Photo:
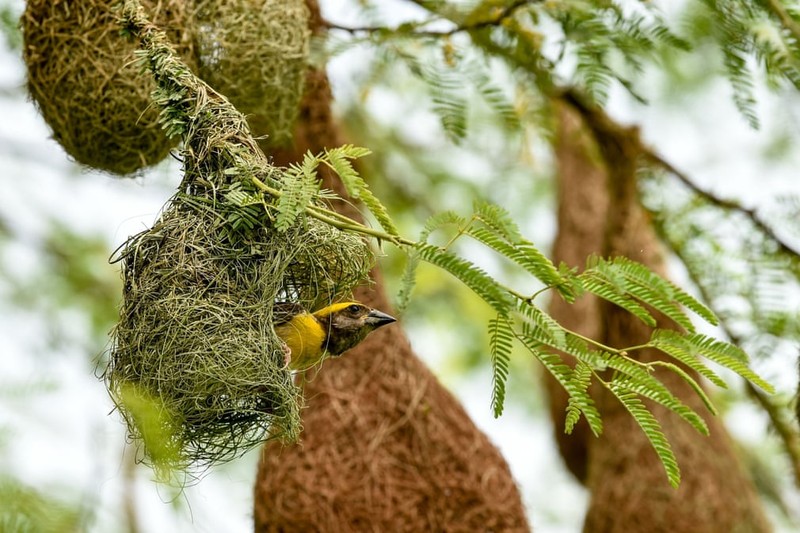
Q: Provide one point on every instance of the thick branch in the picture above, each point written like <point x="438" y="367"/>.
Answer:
<point x="727" y="205"/>
<point x="602" y="124"/>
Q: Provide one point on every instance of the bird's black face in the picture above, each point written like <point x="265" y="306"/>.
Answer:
<point x="351" y="324"/>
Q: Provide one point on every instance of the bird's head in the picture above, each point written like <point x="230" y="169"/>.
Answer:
<point x="348" y="323"/>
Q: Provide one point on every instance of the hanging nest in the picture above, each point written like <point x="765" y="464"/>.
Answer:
<point x="82" y="78"/>
<point x="254" y="52"/>
<point x="195" y="333"/>
<point x="195" y="366"/>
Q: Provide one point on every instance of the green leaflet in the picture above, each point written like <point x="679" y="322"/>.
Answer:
<point x="409" y="279"/>
<point x="440" y="220"/>
<point x="473" y="277"/>
<point x="501" y="337"/>
<point x="299" y="187"/>
<point x="722" y="353"/>
<point x="494" y="97"/>
<point x="651" y="427"/>
<point x="581" y="379"/>
<point x="243" y="211"/>
<point x="522" y="253"/>
<point x="497" y="218"/>
<point x="579" y="396"/>
<point x="407" y="283"/>
<point x="691" y="382"/>
<point x="598" y="285"/>
<point x="638" y="281"/>
<point x="339" y="160"/>
<point x="676" y="346"/>
<point x="549" y="331"/>
<point x="449" y="103"/>
<point x="656" y="391"/>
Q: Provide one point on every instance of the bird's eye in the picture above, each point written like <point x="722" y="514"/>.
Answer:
<point x="355" y="308"/>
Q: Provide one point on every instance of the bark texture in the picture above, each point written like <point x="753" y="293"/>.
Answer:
<point x="385" y="447"/>
<point x="599" y="213"/>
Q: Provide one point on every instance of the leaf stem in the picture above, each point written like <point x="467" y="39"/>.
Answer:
<point x="337" y="220"/>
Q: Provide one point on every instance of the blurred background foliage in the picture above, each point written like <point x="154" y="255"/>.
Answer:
<point x="59" y="224"/>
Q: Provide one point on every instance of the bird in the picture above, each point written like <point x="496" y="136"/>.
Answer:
<point x="332" y="330"/>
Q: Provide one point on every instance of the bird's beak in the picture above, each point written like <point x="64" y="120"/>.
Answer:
<point x="377" y="319"/>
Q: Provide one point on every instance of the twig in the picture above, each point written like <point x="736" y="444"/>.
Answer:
<point x="599" y="121"/>
<point x="729" y="205"/>
<point x="786" y="20"/>
<point x="784" y="428"/>
<point x="496" y="20"/>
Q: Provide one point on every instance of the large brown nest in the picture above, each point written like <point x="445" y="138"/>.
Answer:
<point x="255" y="52"/>
<point x="82" y="78"/>
<point x="195" y="367"/>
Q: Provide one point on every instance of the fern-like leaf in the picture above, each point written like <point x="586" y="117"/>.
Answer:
<point x="494" y="97"/>
<point x="440" y="220"/>
<point x="651" y="427"/>
<point x="727" y="355"/>
<point x="676" y="346"/>
<point x="600" y="286"/>
<point x="552" y="332"/>
<point x="565" y="376"/>
<point x="650" y="288"/>
<point x="243" y="210"/>
<point x="299" y="187"/>
<point x="501" y="337"/>
<point x="339" y="160"/>
<point x="497" y="218"/>
<point x="659" y="393"/>
<point x="449" y="102"/>
<point x="641" y="380"/>
<point x="407" y="282"/>
<point x="581" y="379"/>
<point x="524" y="254"/>
<point x="502" y="234"/>
<point x="472" y="276"/>
<point x="696" y="387"/>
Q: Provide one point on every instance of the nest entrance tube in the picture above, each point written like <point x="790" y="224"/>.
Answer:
<point x="195" y="367"/>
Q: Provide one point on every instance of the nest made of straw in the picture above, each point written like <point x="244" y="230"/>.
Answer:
<point x="195" y="366"/>
<point x="195" y="333"/>
<point x="255" y="53"/>
<point x="82" y="78"/>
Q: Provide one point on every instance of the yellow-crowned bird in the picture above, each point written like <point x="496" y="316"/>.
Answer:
<point x="332" y="330"/>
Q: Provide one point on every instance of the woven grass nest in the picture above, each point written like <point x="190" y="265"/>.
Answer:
<point x="195" y="366"/>
<point x="254" y="52"/>
<point x="83" y="78"/>
<point x="195" y="336"/>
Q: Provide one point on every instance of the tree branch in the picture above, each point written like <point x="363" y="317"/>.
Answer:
<point x="779" y="10"/>
<point x="603" y="125"/>
<point x="495" y="20"/>
<point x="728" y="205"/>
